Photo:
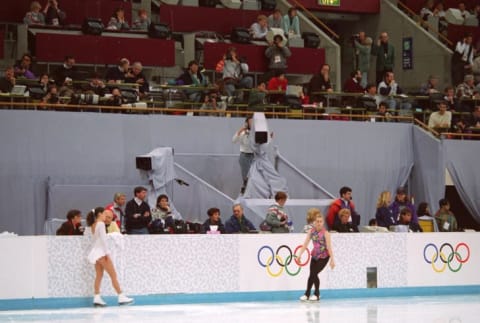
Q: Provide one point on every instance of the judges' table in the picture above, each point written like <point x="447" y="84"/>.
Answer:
<point x="52" y="45"/>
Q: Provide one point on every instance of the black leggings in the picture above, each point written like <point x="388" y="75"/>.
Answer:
<point x="316" y="266"/>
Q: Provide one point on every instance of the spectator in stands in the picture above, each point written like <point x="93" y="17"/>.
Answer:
<point x="115" y="99"/>
<point x="277" y="83"/>
<point x="213" y="219"/>
<point x="474" y="121"/>
<point x="384" y="215"/>
<point x="440" y="120"/>
<point x="73" y="225"/>
<point x="431" y="86"/>
<point x="449" y="97"/>
<point x="462" y="59"/>
<point x="135" y="75"/>
<point x="96" y="85"/>
<point x="238" y="223"/>
<point x="212" y="101"/>
<point x="427" y="10"/>
<point x="476" y="68"/>
<point x="258" y="98"/>
<point x="34" y="16"/>
<point x="142" y="22"/>
<point x="385" y="53"/>
<point x="353" y="83"/>
<point x="8" y="80"/>
<point x="320" y="83"/>
<point x="401" y="201"/>
<point x="23" y="68"/>
<point x="463" y="10"/>
<point x="53" y="15"/>
<point x="193" y="76"/>
<point x="52" y="96"/>
<point x="276" y="216"/>
<point x="162" y="215"/>
<point x="119" y="200"/>
<point x="476" y="12"/>
<point x="259" y="29"/>
<point x="363" y="48"/>
<point x="234" y="71"/>
<point x="388" y="89"/>
<point x="423" y="210"/>
<point x="383" y="113"/>
<point x="344" y="202"/>
<point x="117" y="74"/>
<point x="66" y="72"/>
<point x="440" y="13"/>
<point x="246" y="153"/>
<point x="275" y="20"/>
<point x="277" y="53"/>
<point x="110" y="225"/>
<point x="372" y="223"/>
<point x="445" y="219"/>
<point x="406" y="219"/>
<point x="370" y="100"/>
<point x="466" y="90"/>
<point x="291" y="23"/>
<point x="117" y="21"/>
<point x="45" y="82"/>
<point x="344" y="225"/>
<point x="137" y="212"/>
<point x="312" y="214"/>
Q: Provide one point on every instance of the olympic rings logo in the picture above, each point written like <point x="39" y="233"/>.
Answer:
<point x="454" y="258"/>
<point x="266" y="252"/>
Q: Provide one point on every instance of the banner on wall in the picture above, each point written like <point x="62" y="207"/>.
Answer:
<point x="332" y="3"/>
<point x="407" y="53"/>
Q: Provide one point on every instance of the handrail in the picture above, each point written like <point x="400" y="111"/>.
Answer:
<point x="414" y="14"/>
<point x="317" y="20"/>
<point x="426" y="128"/>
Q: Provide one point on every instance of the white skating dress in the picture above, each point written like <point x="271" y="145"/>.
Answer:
<point x="99" y="243"/>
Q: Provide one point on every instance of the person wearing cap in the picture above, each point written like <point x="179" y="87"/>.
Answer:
<point x="441" y="119"/>
<point x="401" y="201"/>
<point x="445" y="219"/>
<point x="213" y="220"/>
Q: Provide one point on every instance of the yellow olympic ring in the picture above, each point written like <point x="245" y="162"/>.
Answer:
<point x="441" y="270"/>
<point x="280" y="260"/>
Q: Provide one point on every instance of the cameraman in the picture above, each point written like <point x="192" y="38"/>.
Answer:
<point x="116" y="99"/>
<point x="363" y="48"/>
<point x="277" y="53"/>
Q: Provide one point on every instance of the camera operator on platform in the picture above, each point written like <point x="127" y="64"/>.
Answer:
<point x="362" y="46"/>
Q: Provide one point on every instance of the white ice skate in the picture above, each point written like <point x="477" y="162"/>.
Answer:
<point x="313" y="298"/>
<point x="303" y="298"/>
<point x="124" y="300"/>
<point x="98" y="301"/>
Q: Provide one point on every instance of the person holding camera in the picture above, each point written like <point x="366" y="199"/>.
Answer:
<point x="53" y="15"/>
<point x="277" y="53"/>
<point x="363" y="48"/>
<point x="116" y="99"/>
<point x="52" y="95"/>
<point x="385" y="53"/>
<point x="234" y="71"/>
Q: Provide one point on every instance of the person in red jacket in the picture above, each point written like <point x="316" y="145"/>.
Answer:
<point x="277" y="83"/>
<point x="352" y="84"/>
<point x="344" y="202"/>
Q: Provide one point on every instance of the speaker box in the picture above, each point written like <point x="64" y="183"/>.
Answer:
<point x="240" y="35"/>
<point x="454" y="16"/>
<point x="158" y="30"/>
<point x="143" y="163"/>
<point x="92" y="26"/>
<point x="269" y="5"/>
<point x="311" y="40"/>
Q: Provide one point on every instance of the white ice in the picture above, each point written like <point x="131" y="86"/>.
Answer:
<point x="435" y="309"/>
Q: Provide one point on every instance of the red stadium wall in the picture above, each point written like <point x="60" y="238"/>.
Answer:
<point x="351" y="6"/>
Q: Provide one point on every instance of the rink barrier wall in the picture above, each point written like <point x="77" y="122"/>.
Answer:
<point x="199" y="268"/>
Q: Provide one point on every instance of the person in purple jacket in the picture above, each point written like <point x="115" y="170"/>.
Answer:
<point x="384" y="215"/>
<point x="401" y="201"/>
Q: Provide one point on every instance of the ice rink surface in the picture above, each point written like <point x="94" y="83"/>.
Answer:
<point x="435" y="309"/>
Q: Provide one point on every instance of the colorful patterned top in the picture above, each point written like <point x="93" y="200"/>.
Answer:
<point x="319" y="244"/>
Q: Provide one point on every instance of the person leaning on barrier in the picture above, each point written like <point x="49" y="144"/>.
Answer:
<point x="135" y="75"/>
<point x="441" y="119"/>
<point x="23" y="68"/>
<point x="194" y="77"/>
<point x="8" y="80"/>
<point x="320" y="83"/>
<point x="383" y="113"/>
<point x="344" y="225"/>
<point x="259" y="29"/>
<point x="238" y="223"/>
<point x="213" y="219"/>
<point x="73" y="225"/>
<point x="117" y="21"/>
<point x="388" y="89"/>
<point x="353" y="83"/>
<point x="142" y="22"/>
<point x="276" y="217"/>
<point x="34" y="17"/>
<point x="66" y="72"/>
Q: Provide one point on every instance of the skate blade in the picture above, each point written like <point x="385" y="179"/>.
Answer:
<point x="99" y="305"/>
<point x="126" y="303"/>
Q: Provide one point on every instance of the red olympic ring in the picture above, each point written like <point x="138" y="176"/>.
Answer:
<point x="459" y="258"/>
<point x="297" y="260"/>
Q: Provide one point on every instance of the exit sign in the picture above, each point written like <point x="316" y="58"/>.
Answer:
<point x="329" y="3"/>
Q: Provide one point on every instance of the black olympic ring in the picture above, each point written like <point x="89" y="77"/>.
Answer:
<point x="289" y="258"/>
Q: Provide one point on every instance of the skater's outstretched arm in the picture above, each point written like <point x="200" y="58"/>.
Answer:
<point x="305" y="245"/>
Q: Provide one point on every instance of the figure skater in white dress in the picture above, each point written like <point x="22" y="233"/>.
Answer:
<point x="99" y="255"/>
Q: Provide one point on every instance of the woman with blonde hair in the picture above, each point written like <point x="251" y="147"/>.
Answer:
<point x="312" y="214"/>
<point x="34" y="16"/>
<point x="99" y="255"/>
<point x="384" y="214"/>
